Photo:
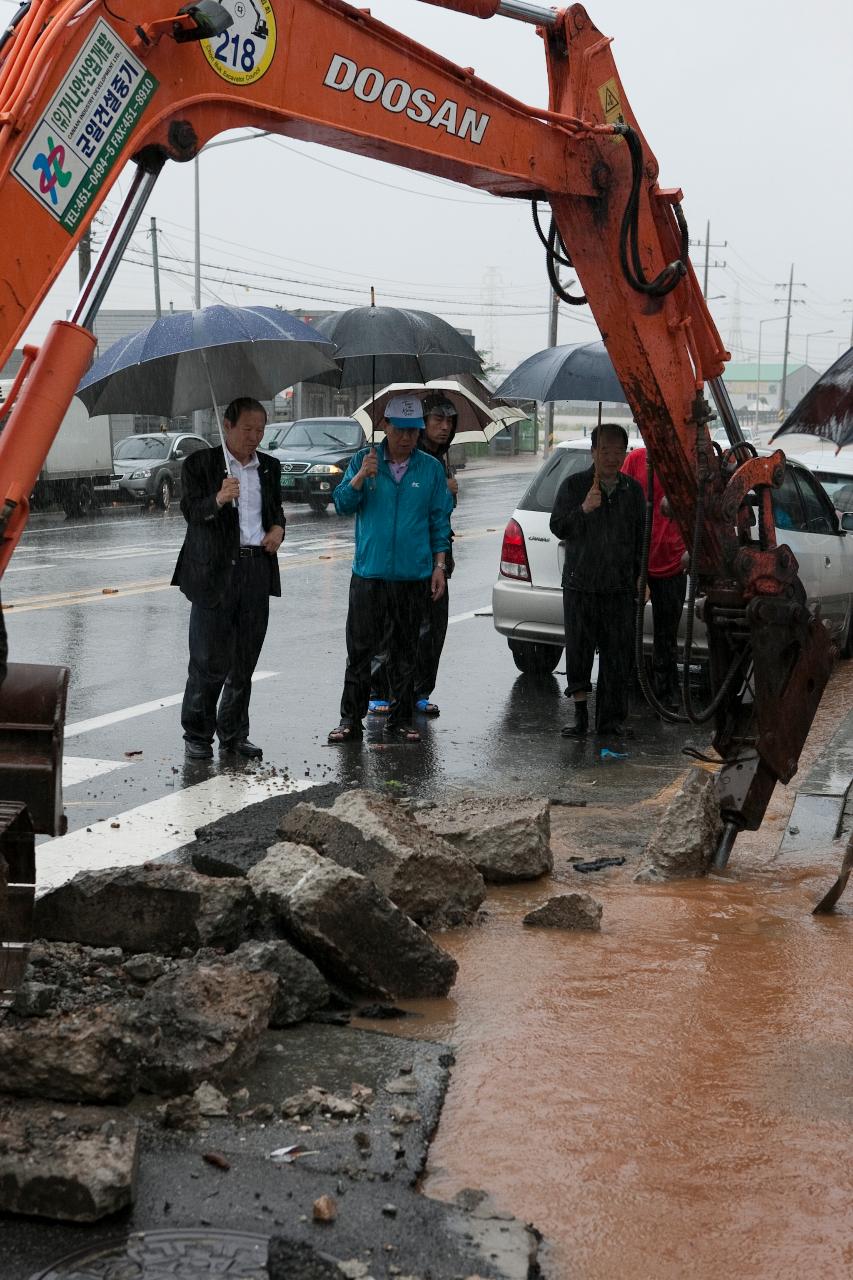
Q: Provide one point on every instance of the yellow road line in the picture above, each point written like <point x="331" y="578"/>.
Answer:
<point x="96" y="595"/>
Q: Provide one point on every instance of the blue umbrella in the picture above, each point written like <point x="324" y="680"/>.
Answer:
<point x="579" y="371"/>
<point x="190" y="360"/>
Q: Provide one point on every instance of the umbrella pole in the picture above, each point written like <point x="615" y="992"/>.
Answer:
<point x="218" y="418"/>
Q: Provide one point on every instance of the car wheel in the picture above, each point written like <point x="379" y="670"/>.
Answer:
<point x="164" y="493"/>
<point x="845" y="649"/>
<point x="79" y="498"/>
<point x="319" y="505"/>
<point x="534" y="659"/>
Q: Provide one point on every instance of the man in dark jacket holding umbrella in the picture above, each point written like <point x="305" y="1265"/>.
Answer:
<point x="228" y="569"/>
<point x="599" y="514"/>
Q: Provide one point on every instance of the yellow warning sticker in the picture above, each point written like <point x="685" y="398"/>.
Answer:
<point x="611" y="106"/>
<point x="243" y="52"/>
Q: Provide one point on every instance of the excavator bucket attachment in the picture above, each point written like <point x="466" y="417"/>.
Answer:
<point x="32" y="720"/>
<point x="17" y="894"/>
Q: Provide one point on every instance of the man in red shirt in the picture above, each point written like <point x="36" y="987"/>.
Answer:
<point x="667" y="582"/>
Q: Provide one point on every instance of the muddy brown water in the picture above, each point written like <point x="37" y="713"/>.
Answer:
<point x="673" y="1096"/>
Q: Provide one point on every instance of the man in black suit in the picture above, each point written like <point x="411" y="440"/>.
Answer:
<point x="228" y="569"/>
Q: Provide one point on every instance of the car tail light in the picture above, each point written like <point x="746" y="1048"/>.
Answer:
<point x="514" y="553"/>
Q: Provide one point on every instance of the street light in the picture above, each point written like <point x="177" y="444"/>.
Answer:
<point x="761" y="325"/>
<point x="226" y="142"/>
<point x="819" y="333"/>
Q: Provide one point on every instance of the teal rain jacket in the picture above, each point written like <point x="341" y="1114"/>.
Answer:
<point x="398" y="527"/>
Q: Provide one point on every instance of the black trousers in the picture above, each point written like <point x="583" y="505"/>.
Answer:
<point x="225" y="644"/>
<point x="667" y="596"/>
<point x="382" y="616"/>
<point x="430" y="643"/>
<point x="603" y="621"/>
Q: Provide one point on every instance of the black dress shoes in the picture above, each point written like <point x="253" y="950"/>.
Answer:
<point x="195" y="749"/>
<point x="242" y="748"/>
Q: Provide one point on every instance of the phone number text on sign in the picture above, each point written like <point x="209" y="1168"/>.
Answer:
<point x="243" y="52"/>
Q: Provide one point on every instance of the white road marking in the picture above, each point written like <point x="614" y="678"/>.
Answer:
<point x="77" y="769"/>
<point x="141" y="709"/>
<point x="28" y="568"/>
<point x="151" y="830"/>
<point x="472" y="613"/>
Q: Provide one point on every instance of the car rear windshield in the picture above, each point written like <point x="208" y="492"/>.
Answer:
<point x="335" y="431"/>
<point x="563" y="462"/>
<point x="143" y="447"/>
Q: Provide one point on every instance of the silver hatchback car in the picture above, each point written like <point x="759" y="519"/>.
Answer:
<point x="527" y="599"/>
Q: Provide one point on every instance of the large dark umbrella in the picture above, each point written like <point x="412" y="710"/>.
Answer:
<point x="192" y="360"/>
<point x="378" y="345"/>
<point x="579" y="371"/>
<point x="826" y="410"/>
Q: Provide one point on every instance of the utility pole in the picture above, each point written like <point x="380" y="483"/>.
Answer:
<point x="698" y="244"/>
<point x="553" y="317"/>
<point x="156" y="262"/>
<point x="84" y="256"/>
<point x="791" y="301"/>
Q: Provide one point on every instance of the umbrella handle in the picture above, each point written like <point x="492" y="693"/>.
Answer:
<point x="218" y="418"/>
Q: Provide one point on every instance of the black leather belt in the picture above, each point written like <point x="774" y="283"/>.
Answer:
<point x="252" y="551"/>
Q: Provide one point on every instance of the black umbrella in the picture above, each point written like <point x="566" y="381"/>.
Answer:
<point x="196" y="359"/>
<point x="579" y="371"/>
<point x="378" y="345"/>
<point x="826" y="410"/>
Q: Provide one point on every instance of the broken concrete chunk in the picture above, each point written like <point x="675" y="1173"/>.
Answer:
<point x="315" y="1099"/>
<point x="211" y="1019"/>
<point x="505" y="838"/>
<point x="366" y="832"/>
<point x="688" y="833"/>
<point x="301" y="988"/>
<point x="348" y="927"/>
<point x="567" y="911"/>
<point x="154" y="907"/>
<point x="78" y="1165"/>
<point x="89" y="1055"/>
<point x="210" y="1101"/>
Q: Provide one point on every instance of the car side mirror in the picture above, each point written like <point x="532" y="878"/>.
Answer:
<point x="179" y="453"/>
<point x="847" y="521"/>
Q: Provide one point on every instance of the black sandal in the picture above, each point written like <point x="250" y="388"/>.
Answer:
<point x="346" y="733"/>
<point x="402" y="733"/>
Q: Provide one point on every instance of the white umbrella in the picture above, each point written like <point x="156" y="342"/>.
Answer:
<point x="475" y="421"/>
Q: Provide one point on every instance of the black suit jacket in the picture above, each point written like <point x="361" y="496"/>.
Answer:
<point x="212" y="541"/>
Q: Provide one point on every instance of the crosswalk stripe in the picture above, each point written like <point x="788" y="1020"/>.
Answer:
<point x="156" y="828"/>
<point x="141" y="709"/>
<point x="77" y="769"/>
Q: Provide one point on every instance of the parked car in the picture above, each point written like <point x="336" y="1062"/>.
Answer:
<point x="833" y="469"/>
<point x="527" y="599"/>
<point x="148" y="467"/>
<point x="274" y="435"/>
<point x="314" y="456"/>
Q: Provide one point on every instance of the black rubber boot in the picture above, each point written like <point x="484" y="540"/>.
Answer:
<point x="581" y="725"/>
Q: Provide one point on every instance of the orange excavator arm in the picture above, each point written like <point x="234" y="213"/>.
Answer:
<point x="86" y="85"/>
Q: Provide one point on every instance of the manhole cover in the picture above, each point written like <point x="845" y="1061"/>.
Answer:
<point x="195" y="1254"/>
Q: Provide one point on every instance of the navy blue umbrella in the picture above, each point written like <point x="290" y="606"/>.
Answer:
<point x="195" y="359"/>
<point x="579" y="371"/>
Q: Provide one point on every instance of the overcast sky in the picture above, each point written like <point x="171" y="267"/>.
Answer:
<point x="746" y="103"/>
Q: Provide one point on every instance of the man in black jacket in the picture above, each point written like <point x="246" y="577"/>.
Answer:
<point x="228" y="569"/>
<point x="600" y="515"/>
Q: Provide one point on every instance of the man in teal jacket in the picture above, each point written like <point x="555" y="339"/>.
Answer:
<point x="399" y="496"/>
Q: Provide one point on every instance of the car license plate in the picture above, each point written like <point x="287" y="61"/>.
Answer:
<point x="288" y="482"/>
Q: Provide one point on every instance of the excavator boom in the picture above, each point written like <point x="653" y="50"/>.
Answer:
<point x="87" y="85"/>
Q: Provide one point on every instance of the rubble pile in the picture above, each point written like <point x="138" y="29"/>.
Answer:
<point x="159" y="979"/>
<point x="423" y="875"/>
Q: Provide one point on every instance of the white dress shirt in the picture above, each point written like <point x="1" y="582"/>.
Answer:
<point x="249" y="502"/>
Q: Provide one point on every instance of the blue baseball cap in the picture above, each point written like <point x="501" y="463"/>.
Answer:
<point x="405" y="411"/>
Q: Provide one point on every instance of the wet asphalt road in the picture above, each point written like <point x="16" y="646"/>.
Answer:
<point x="93" y="594"/>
